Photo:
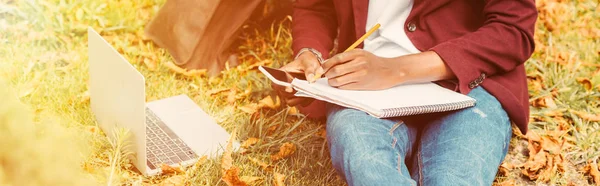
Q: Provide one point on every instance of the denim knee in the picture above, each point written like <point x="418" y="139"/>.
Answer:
<point x="365" y="149"/>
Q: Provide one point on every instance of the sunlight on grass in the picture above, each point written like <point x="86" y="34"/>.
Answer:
<point x="43" y="54"/>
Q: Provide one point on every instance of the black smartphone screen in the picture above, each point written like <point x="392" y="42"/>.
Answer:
<point x="281" y="75"/>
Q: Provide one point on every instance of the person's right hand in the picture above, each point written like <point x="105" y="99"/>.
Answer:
<point x="306" y="63"/>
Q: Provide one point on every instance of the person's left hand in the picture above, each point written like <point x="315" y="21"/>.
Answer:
<point x="361" y="70"/>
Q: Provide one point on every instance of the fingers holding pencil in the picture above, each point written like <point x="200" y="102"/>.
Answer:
<point x="320" y="71"/>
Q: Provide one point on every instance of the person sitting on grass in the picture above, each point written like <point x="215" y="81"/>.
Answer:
<point x="477" y="48"/>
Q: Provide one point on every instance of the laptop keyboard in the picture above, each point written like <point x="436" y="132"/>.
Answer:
<point x="163" y="145"/>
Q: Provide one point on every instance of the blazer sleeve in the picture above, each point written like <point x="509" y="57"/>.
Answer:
<point x="314" y="25"/>
<point x="504" y="42"/>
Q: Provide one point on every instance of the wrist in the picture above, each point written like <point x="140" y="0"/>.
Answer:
<point x="309" y="52"/>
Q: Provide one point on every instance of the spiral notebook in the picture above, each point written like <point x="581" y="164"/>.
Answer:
<point x="401" y="100"/>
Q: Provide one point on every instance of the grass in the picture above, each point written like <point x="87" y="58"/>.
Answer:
<point x="43" y="64"/>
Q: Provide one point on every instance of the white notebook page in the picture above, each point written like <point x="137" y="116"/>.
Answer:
<point x="396" y="97"/>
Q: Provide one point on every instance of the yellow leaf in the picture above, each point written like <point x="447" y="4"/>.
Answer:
<point x="85" y="97"/>
<point x="278" y="179"/>
<point x="292" y="111"/>
<point x="231" y="177"/>
<point x="263" y="165"/>
<point x="555" y="113"/>
<point x="592" y="169"/>
<point x="546" y="101"/>
<point x="269" y="102"/>
<point x="33" y="84"/>
<point x="231" y="97"/>
<point x="151" y="64"/>
<point x="227" y="160"/>
<point x="26" y="92"/>
<point x="92" y="129"/>
<point x="551" y="145"/>
<point x="249" y="108"/>
<point x="255" y="65"/>
<point x="250" y="179"/>
<point x="588" y="116"/>
<point x="201" y="161"/>
<point x="587" y="84"/>
<point x="249" y="142"/>
<point x="286" y="150"/>
<point x="166" y="169"/>
<point x="190" y="73"/>
<point x="79" y="14"/>
<point x="177" y="180"/>
<point x="213" y="92"/>
<point x="507" y="183"/>
<point x="322" y="133"/>
<point x="271" y="130"/>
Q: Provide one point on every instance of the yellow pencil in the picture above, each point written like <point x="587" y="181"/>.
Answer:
<point x="360" y="40"/>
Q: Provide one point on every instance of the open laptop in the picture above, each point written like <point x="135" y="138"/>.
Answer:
<point x="173" y="131"/>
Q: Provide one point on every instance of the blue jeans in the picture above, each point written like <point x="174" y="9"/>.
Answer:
<point x="463" y="147"/>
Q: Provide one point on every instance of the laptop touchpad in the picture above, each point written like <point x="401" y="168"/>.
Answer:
<point x="196" y="128"/>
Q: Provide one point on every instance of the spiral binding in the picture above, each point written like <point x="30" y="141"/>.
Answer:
<point x="406" y="111"/>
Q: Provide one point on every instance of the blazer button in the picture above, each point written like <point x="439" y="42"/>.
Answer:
<point x="411" y="27"/>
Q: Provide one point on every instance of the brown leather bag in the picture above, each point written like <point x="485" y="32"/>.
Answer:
<point x="197" y="33"/>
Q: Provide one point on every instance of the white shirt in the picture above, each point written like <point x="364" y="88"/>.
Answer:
<point x="389" y="40"/>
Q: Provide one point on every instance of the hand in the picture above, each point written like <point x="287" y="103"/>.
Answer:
<point x="308" y="63"/>
<point x="361" y="70"/>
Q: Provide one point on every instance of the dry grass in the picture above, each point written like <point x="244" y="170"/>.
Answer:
<point x="43" y="54"/>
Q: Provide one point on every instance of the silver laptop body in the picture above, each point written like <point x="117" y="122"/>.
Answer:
<point x="173" y="131"/>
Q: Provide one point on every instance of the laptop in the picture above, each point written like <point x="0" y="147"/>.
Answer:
<point x="173" y="131"/>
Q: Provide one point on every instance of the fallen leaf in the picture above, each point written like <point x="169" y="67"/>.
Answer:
<point x="592" y="169"/>
<point x="249" y="142"/>
<point x="509" y="182"/>
<point x="278" y="179"/>
<point x="231" y="96"/>
<point x="322" y="133"/>
<point x="227" y="160"/>
<point x="255" y="65"/>
<point x="263" y="165"/>
<point x="230" y="172"/>
<point x="533" y="136"/>
<point x="555" y="113"/>
<point x="587" y="84"/>
<point x="151" y="64"/>
<point x="177" y="180"/>
<point x="588" y="116"/>
<point x="93" y="129"/>
<point x="546" y="101"/>
<point x="249" y="108"/>
<point x="286" y="150"/>
<point x="271" y="130"/>
<point x="200" y="161"/>
<point x="33" y="84"/>
<point x="231" y="177"/>
<point x="292" y="111"/>
<point x="545" y="158"/>
<point x="517" y="132"/>
<point x="190" y="73"/>
<point x="167" y="169"/>
<point x="503" y="170"/>
<point x="268" y="102"/>
<point x="251" y="180"/>
<point x="246" y="93"/>
<point x="85" y="97"/>
<point x="213" y="92"/>
<point x="551" y="145"/>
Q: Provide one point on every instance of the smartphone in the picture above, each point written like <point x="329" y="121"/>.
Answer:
<point x="279" y="77"/>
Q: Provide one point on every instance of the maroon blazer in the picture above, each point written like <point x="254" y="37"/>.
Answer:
<point x="485" y="43"/>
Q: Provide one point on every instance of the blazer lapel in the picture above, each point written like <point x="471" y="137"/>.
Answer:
<point x="360" y="8"/>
